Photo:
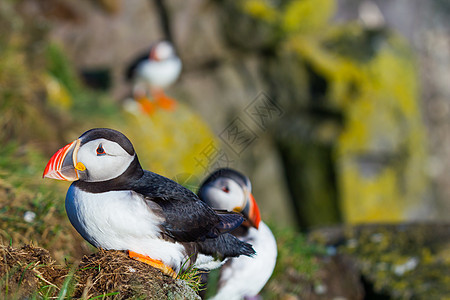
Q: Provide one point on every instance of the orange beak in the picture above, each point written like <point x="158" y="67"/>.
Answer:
<point x="153" y="55"/>
<point x="62" y="165"/>
<point x="251" y="211"/>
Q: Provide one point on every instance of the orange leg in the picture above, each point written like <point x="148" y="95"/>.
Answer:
<point x="163" y="101"/>
<point x="154" y="263"/>
<point x="146" y="105"/>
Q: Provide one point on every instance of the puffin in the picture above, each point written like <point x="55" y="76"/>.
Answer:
<point x="115" y="204"/>
<point x="153" y="72"/>
<point x="241" y="277"/>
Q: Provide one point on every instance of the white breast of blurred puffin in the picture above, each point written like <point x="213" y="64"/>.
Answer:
<point x="246" y="276"/>
<point x="121" y="220"/>
<point x="160" y="74"/>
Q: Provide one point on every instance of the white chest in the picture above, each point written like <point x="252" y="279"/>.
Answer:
<point x="161" y="74"/>
<point x="120" y="220"/>
<point x="110" y="219"/>
<point x="246" y="276"/>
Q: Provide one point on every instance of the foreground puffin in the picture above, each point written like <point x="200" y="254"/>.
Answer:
<point x="115" y="204"/>
<point x="241" y="277"/>
<point x="152" y="73"/>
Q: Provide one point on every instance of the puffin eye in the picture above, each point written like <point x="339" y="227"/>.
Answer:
<point x="100" y="150"/>
<point x="226" y="189"/>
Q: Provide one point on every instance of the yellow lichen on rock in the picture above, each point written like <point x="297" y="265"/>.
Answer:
<point x="57" y="94"/>
<point x="304" y="17"/>
<point x="171" y="143"/>
<point x="260" y="9"/>
<point x="381" y="151"/>
<point x="368" y="76"/>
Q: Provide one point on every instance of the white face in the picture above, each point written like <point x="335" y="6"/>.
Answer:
<point x="164" y="50"/>
<point x="103" y="160"/>
<point x="224" y="193"/>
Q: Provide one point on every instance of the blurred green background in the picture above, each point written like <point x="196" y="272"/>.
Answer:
<point x="337" y="110"/>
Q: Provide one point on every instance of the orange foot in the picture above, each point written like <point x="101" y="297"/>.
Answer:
<point x="163" y="101"/>
<point x="154" y="263"/>
<point x="146" y="105"/>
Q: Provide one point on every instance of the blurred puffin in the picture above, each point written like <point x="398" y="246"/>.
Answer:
<point x="241" y="277"/>
<point x="115" y="204"/>
<point x="152" y="73"/>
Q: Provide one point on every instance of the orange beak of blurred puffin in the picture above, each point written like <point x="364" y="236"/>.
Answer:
<point x="63" y="165"/>
<point x="153" y="55"/>
<point x="251" y="210"/>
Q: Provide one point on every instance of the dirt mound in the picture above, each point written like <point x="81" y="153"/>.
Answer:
<point x="25" y="270"/>
<point x="31" y="270"/>
<point x="114" y="271"/>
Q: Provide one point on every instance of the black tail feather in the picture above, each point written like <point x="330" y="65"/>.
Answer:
<point x="226" y="245"/>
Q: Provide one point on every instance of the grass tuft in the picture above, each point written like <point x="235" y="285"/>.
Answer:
<point x="298" y="264"/>
<point x="193" y="278"/>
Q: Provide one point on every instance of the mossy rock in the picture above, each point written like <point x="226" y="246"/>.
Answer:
<point x="404" y="261"/>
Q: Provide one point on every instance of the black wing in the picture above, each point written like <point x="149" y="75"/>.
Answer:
<point x="130" y="72"/>
<point x="187" y="218"/>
